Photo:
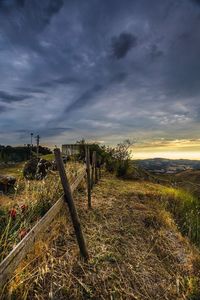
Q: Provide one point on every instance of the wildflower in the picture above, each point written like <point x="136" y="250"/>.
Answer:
<point x="13" y="213"/>
<point x="24" y="207"/>
<point x="22" y="233"/>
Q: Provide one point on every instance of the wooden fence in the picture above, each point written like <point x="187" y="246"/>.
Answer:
<point x="10" y="263"/>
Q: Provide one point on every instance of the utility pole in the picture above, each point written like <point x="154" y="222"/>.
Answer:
<point x="38" y="144"/>
<point x="31" y="139"/>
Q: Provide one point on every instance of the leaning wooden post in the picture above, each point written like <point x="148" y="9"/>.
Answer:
<point x="87" y="155"/>
<point x="71" y="205"/>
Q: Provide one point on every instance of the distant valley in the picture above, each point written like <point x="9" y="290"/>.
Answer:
<point x="168" y="166"/>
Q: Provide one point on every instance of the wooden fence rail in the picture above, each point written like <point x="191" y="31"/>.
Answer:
<point x="11" y="262"/>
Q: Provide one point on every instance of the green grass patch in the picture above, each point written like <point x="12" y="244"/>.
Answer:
<point x="12" y="170"/>
<point x="48" y="157"/>
<point x="186" y="209"/>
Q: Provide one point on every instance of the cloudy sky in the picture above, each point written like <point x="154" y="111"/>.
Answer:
<point x="104" y="70"/>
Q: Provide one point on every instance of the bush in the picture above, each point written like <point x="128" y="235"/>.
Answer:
<point x="110" y="165"/>
<point x="123" y="169"/>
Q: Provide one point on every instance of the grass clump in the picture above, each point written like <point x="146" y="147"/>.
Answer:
<point x="185" y="207"/>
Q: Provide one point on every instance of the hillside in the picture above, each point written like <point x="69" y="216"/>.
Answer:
<point x="136" y="251"/>
<point x="189" y="180"/>
<point x="189" y="175"/>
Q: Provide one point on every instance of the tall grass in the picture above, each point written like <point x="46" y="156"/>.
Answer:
<point x="186" y="209"/>
<point x="30" y="201"/>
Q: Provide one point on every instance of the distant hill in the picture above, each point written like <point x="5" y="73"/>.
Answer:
<point x="169" y="166"/>
<point x="189" y="175"/>
<point x="189" y="180"/>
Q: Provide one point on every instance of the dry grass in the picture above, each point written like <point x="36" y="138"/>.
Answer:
<point x="136" y="252"/>
<point x="37" y="197"/>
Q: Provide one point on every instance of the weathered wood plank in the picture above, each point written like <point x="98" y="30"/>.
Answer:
<point x="71" y="205"/>
<point x="9" y="264"/>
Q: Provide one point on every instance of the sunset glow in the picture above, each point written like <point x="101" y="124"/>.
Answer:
<point x="174" y="149"/>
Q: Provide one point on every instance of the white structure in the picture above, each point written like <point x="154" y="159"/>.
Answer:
<point x="70" y="149"/>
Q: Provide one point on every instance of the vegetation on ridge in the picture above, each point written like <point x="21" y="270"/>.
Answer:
<point x="136" y="251"/>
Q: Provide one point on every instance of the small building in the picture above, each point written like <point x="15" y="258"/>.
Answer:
<point x="71" y="149"/>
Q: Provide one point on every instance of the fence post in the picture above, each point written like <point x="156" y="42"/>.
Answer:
<point x="87" y="155"/>
<point x="92" y="175"/>
<point x="71" y="205"/>
<point x="99" y="167"/>
<point x="95" y="168"/>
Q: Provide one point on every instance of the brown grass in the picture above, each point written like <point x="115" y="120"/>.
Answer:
<point x="136" y="252"/>
<point x="37" y="196"/>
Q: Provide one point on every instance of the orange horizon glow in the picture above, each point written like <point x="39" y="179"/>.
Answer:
<point x="174" y="149"/>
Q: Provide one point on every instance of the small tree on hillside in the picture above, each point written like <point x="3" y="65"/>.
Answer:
<point x="122" y="154"/>
<point x="122" y="151"/>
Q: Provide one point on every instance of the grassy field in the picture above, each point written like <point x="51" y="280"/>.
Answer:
<point x="31" y="199"/>
<point x="12" y="170"/>
<point x="136" y="250"/>
<point x="16" y="169"/>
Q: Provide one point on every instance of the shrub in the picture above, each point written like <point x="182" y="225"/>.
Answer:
<point x="123" y="169"/>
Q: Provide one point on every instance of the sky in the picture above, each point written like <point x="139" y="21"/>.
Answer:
<point x="103" y="70"/>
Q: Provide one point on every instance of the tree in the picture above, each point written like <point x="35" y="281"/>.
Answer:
<point x="122" y="151"/>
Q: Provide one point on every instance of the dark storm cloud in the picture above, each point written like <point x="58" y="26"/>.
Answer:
<point x="23" y="20"/>
<point x="111" y="68"/>
<point x="47" y="132"/>
<point x="66" y="80"/>
<point x="84" y="99"/>
<point x="8" y="98"/>
<point x="155" y="52"/>
<point x="8" y="5"/>
<point x="51" y="132"/>
<point x="31" y="90"/>
<point x="51" y="8"/>
<point x="3" y="109"/>
<point x="196" y="1"/>
<point x="119" y="77"/>
<point x="54" y="6"/>
<point x="122" y="44"/>
<point x="62" y="80"/>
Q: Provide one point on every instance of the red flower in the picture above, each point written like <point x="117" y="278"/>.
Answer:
<point x="13" y="213"/>
<point x="22" y="233"/>
<point x="24" y="207"/>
